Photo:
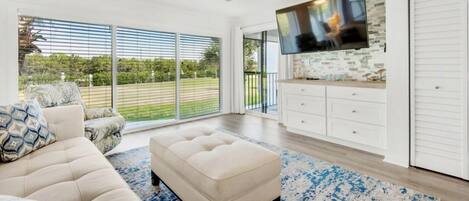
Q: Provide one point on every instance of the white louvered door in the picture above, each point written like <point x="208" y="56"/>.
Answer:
<point x="438" y="38"/>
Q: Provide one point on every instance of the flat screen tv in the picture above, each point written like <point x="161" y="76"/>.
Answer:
<point x="323" y="25"/>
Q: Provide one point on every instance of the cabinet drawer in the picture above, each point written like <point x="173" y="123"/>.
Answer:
<point x="305" y="90"/>
<point x="359" y="94"/>
<point x="306" y="104"/>
<point x="306" y="122"/>
<point x="372" y="113"/>
<point x="357" y="132"/>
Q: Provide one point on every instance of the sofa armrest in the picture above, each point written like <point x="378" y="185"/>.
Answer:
<point x="65" y="121"/>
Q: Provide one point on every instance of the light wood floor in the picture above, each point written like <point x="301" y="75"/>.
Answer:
<point x="447" y="188"/>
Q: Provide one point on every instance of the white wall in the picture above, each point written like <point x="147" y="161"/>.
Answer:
<point x="3" y="80"/>
<point x="397" y="63"/>
<point x="8" y="81"/>
<point x="266" y="15"/>
<point x="128" y="13"/>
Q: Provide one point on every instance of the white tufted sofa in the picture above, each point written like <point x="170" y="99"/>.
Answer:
<point x="202" y="164"/>
<point x="71" y="169"/>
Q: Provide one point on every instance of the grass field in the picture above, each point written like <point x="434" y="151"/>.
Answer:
<point x="157" y="100"/>
<point x="252" y="90"/>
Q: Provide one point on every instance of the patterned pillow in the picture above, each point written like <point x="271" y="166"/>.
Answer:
<point x="23" y="129"/>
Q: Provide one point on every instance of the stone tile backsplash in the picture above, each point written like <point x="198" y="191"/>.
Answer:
<point x="349" y="64"/>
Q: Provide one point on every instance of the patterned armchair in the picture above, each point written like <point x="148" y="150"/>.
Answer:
<point x="103" y="126"/>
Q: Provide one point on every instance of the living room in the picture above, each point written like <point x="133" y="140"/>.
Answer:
<point x="233" y="100"/>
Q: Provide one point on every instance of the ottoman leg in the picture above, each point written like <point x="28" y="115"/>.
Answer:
<point x="155" y="180"/>
<point x="277" y="199"/>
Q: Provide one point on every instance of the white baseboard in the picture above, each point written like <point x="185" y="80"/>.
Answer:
<point x="362" y="147"/>
<point x="401" y="163"/>
<point x="158" y="124"/>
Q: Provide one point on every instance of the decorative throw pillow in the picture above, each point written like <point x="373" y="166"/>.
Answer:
<point x="23" y="129"/>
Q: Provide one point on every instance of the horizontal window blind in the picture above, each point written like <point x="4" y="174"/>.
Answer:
<point x="146" y="74"/>
<point x="54" y="50"/>
<point x="200" y="75"/>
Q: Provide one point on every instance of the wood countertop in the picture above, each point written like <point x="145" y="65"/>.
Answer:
<point x="360" y="84"/>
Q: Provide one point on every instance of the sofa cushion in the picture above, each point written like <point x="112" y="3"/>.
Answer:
<point x="219" y="165"/>
<point x="12" y="198"/>
<point x="64" y="171"/>
<point x="23" y="129"/>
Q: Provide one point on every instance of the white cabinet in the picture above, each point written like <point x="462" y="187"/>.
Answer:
<point x="305" y="107"/>
<point x="357" y="94"/>
<point x="357" y="132"/>
<point x="351" y="116"/>
<point x="363" y="112"/>
<point x="306" y="104"/>
<point x="305" y="90"/>
<point x="307" y="122"/>
<point x="439" y="139"/>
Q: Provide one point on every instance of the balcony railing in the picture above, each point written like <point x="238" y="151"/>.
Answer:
<point x="260" y="91"/>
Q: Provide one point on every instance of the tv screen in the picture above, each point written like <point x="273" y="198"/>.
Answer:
<point x="323" y="25"/>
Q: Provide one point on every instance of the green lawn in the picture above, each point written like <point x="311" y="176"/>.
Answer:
<point x="156" y="101"/>
<point x="168" y="111"/>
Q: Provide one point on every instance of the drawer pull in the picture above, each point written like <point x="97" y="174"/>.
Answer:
<point x="302" y="121"/>
<point x="437" y="87"/>
<point x="354" y="94"/>
<point x="354" y="132"/>
<point x="302" y="90"/>
<point x="354" y="111"/>
<point x="302" y="104"/>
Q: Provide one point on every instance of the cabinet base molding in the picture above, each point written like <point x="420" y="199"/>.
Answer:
<point x="371" y="149"/>
<point x="390" y="160"/>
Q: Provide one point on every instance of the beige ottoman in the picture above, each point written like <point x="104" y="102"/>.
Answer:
<point x="206" y="164"/>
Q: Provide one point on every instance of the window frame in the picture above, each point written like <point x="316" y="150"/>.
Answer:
<point x="114" y="64"/>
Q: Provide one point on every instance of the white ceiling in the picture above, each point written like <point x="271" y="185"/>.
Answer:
<point x="233" y="8"/>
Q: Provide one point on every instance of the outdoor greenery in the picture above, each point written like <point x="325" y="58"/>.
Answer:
<point x="250" y="49"/>
<point x="38" y="69"/>
<point x="26" y="39"/>
<point x="168" y="111"/>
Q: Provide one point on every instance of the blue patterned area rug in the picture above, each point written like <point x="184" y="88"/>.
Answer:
<point x="303" y="178"/>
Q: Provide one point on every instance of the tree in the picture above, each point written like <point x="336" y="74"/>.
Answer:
<point x="210" y="63"/>
<point x="250" y="47"/>
<point x="26" y="39"/>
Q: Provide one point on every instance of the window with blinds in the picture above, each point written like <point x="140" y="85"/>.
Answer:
<point x="200" y="75"/>
<point x="146" y="74"/>
<point x="54" y="50"/>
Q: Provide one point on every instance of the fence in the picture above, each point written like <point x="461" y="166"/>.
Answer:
<point x="260" y="90"/>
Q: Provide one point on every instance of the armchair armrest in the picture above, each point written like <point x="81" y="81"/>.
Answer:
<point x="65" y="121"/>
<point x="98" y="113"/>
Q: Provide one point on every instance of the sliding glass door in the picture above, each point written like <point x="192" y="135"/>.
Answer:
<point x="261" y="55"/>
<point x="160" y="76"/>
